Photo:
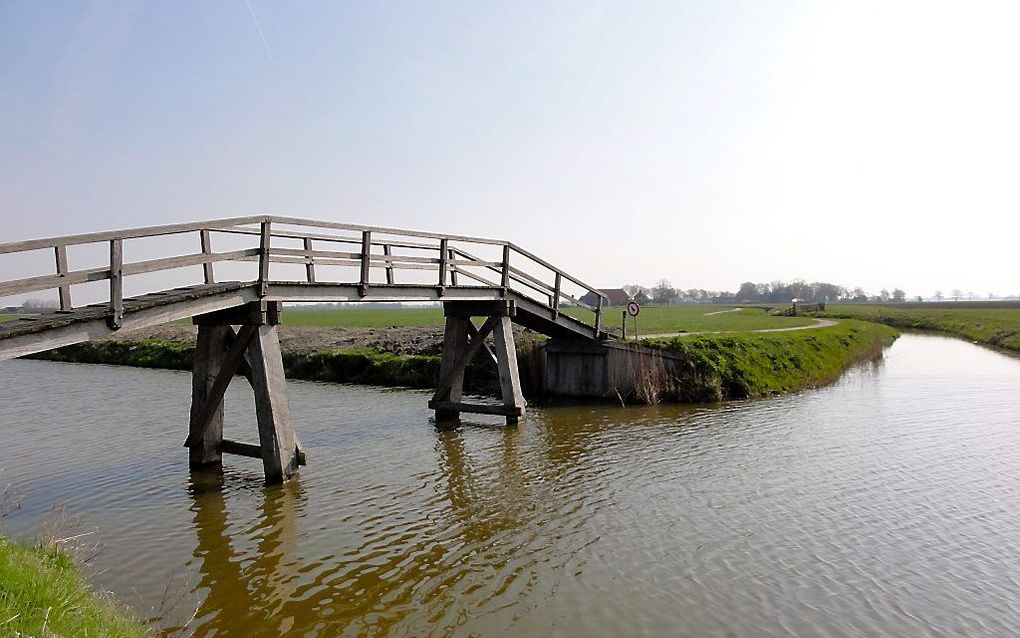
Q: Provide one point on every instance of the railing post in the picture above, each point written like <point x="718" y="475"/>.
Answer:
<point x="453" y="269"/>
<point x="264" y="258"/>
<point x="444" y="253"/>
<point x="598" y="316"/>
<point x="309" y="261"/>
<point x="505" y="280"/>
<point x="65" y="291"/>
<point x="389" y="264"/>
<point x="366" y="261"/>
<point x="556" y="296"/>
<point x="116" y="317"/>
<point x="207" y="250"/>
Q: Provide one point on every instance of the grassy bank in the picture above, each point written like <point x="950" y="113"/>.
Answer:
<point x="43" y="593"/>
<point x="738" y="366"/>
<point x="715" y="366"/>
<point x="996" y="327"/>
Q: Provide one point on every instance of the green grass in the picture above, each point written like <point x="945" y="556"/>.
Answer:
<point x="693" y="318"/>
<point x="653" y="319"/>
<point x="5" y="317"/>
<point x="364" y="318"/>
<point x="43" y="593"/>
<point x="997" y="327"/>
<point x="737" y="366"/>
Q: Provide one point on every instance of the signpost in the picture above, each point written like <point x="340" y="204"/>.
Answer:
<point x="633" y="309"/>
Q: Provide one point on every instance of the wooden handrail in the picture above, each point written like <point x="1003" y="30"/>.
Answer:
<point x="442" y="253"/>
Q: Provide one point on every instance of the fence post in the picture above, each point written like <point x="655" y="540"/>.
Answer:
<point x="366" y="261"/>
<point x="116" y="317"/>
<point x="65" y="291"/>
<point x="556" y="296"/>
<point x="505" y="280"/>
<point x="444" y="255"/>
<point x="309" y="261"/>
<point x="207" y="267"/>
<point x="264" y="259"/>
<point x="389" y="264"/>
<point x="598" y="316"/>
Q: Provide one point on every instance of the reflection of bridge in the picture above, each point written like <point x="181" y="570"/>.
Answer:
<point x="327" y="262"/>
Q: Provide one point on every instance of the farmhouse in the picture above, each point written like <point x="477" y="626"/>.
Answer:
<point x="617" y="297"/>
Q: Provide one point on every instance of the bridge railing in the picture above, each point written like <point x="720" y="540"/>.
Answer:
<point x="377" y="256"/>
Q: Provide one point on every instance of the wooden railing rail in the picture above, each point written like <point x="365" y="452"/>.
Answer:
<point x="319" y="243"/>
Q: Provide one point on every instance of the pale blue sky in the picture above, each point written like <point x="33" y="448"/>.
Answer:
<point x="865" y="143"/>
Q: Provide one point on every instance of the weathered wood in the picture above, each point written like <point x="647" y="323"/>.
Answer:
<point x="455" y="344"/>
<point x="389" y="264"/>
<point x="116" y="317"/>
<point x="598" y="317"/>
<point x="65" y="290"/>
<point x="366" y="262"/>
<point x="213" y="400"/>
<point x="481" y="308"/>
<point x="452" y="266"/>
<point x="444" y="253"/>
<point x="456" y="407"/>
<point x="265" y="239"/>
<point x="475" y="335"/>
<point x="556" y="295"/>
<point x="206" y="431"/>
<point x="310" y="264"/>
<point x="505" y="277"/>
<point x="276" y="432"/>
<point x="509" y="376"/>
<point x="207" y="267"/>
<point x="255" y="313"/>
<point x="240" y="449"/>
<point x="451" y="372"/>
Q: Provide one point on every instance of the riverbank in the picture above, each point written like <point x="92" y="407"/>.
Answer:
<point x="993" y="327"/>
<point x="713" y="367"/>
<point x="748" y="365"/>
<point x="44" y="593"/>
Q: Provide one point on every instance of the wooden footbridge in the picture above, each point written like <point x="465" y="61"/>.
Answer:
<point x="297" y="260"/>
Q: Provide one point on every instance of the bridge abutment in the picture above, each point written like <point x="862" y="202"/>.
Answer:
<point x="253" y="350"/>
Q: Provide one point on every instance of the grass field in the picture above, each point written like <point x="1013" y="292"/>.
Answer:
<point x="997" y="327"/>
<point x="652" y="320"/>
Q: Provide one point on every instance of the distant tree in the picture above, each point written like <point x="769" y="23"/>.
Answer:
<point x="663" y="293"/>
<point x="883" y="295"/>
<point x="899" y="296"/>
<point x="633" y="289"/>
<point x="858" y="295"/>
<point x="938" y="295"/>
<point x="748" y="292"/>
<point x="957" y="293"/>
<point x="920" y="299"/>
<point x="38" y="305"/>
<point x="970" y="295"/>
<point x="991" y="296"/>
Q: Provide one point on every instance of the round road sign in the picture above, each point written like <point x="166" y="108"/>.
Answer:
<point x="633" y="308"/>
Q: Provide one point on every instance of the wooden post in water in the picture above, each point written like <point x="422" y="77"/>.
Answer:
<point x="460" y="345"/>
<point x="253" y="351"/>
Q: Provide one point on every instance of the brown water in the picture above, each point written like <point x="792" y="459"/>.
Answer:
<point x="883" y="505"/>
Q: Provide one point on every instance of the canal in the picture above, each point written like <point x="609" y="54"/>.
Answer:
<point x="885" y="504"/>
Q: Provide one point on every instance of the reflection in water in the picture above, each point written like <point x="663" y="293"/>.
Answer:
<point x="883" y="505"/>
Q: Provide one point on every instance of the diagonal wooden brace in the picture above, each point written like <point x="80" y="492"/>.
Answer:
<point x="214" y="397"/>
<point x="456" y="368"/>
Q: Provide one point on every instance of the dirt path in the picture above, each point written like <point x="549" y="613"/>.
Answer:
<point x="721" y="312"/>
<point x="818" y="323"/>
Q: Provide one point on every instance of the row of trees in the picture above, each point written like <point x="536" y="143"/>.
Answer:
<point x="663" y="293"/>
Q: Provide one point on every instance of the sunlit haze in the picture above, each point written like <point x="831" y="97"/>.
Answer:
<point x="869" y="144"/>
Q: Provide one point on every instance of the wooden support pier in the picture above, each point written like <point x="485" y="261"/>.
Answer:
<point x="461" y="343"/>
<point x="237" y="320"/>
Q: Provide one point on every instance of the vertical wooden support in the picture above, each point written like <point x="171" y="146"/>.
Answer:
<point x="366" y="262"/>
<point x="116" y="317"/>
<point x="455" y="347"/>
<point x="556" y="296"/>
<point x="65" y="291"/>
<point x="276" y="431"/>
<point x="207" y="267"/>
<point x="505" y="279"/>
<point x="389" y="264"/>
<point x="444" y="254"/>
<point x="309" y="262"/>
<point x="265" y="238"/>
<point x="598" y="316"/>
<point x="453" y="268"/>
<point x="509" y="376"/>
<point x="209" y="359"/>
